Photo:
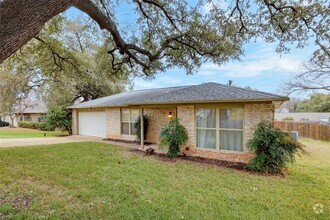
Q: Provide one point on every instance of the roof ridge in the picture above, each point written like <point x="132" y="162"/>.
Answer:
<point x="267" y="93"/>
<point x="179" y="88"/>
<point x="140" y="90"/>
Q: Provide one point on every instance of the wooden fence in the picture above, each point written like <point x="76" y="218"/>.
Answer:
<point x="310" y="130"/>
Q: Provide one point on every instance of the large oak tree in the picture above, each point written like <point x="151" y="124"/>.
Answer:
<point x="177" y="33"/>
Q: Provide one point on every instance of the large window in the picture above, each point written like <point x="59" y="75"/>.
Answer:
<point x="206" y="128"/>
<point x="220" y="128"/>
<point x="128" y="117"/>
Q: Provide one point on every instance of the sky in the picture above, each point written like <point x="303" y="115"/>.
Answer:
<point x="260" y="67"/>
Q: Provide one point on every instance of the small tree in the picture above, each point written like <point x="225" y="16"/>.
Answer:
<point x="137" y="126"/>
<point x="59" y="117"/>
<point x="273" y="148"/>
<point x="173" y="136"/>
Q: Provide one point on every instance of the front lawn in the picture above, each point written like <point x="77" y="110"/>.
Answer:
<point x="101" y="181"/>
<point x="27" y="133"/>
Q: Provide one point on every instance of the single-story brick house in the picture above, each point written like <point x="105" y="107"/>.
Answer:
<point x="219" y="119"/>
<point x="30" y="114"/>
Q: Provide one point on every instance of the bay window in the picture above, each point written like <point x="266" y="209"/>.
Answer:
<point x="128" y="117"/>
<point x="220" y="128"/>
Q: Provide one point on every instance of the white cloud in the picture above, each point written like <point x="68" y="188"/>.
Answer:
<point x="165" y="81"/>
<point x="206" y="72"/>
<point x="143" y="84"/>
<point x="170" y="80"/>
<point x="262" y="61"/>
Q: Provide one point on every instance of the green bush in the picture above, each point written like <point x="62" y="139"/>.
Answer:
<point x="273" y="148"/>
<point x="59" y="117"/>
<point x="137" y="126"/>
<point x="45" y="127"/>
<point x="21" y="124"/>
<point x="173" y="136"/>
<point x="35" y="125"/>
<point x="288" y="119"/>
<point x="28" y="124"/>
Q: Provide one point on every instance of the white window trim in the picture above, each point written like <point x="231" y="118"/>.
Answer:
<point x="129" y="121"/>
<point x="218" y="129"/>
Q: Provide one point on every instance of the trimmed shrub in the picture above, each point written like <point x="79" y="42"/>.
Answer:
<point x="137" y="126"/>
<point x="35" y="125"/>
<point x="173" y="136"/>
<point x="288" y="119"/>
<point x="21" y="124"/>
<point x="273" y="148"/>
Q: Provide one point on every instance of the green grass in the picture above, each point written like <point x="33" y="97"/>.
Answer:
<point x="27" y="133"/>
<point x="101" y="181"/>
<point x="315" y="143"/>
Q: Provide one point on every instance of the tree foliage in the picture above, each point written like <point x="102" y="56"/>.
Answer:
<point x="137" y="126"/>
<point x="164" y="34"/>
<point x="59" y="117"/>
<point x="317" y="102"/>
<point x="14" y="92"/>
<point x="273" y="149"/>
<point x="76" y="68"/>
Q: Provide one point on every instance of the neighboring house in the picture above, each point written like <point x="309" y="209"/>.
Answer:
<point x="6" y="118"/>
<point x="34" y="114"/>
<point x="219" y="119"/>
<point x="323" y="117"/>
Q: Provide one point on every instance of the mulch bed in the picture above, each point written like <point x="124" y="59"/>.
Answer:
<point x="207" y="161"/>
<point x="126" y="141"/>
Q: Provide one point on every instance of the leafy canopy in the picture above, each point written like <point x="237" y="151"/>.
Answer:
<point x="68" y="58"/>
<point x="317" y="102"/>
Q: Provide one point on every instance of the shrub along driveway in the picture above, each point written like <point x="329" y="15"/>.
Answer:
<point x="92" y="180"/>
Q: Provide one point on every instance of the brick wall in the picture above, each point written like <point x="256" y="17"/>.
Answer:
<point x="253" y="115"/>
<point x="113" y="125"/>
<point x="240" y="157"/>
<point x="74" y="125"/>
<point x="186" y="114"/>
<point x="158" y="117"/>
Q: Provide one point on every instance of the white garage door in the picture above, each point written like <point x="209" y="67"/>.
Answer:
<point x="92" y="123"/>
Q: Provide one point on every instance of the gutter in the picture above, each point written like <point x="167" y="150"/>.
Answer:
<point x="182" y="102"/>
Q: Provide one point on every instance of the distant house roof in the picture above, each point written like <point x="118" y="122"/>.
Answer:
<point x="202" y="93"/>
<point x="37" y="109"/>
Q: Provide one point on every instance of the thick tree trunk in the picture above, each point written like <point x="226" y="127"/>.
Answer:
<point x="21" y="20"/>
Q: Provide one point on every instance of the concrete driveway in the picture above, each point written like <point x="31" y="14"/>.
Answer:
<point x="15" y="142"/>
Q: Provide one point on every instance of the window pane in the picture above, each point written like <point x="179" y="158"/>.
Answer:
<point x="206" y="118"/>
<point x="125" y="115"/>
<point x="231" y="118"/>
<point x="231" y="140"/>
<point x="125" y="128"/>
<point x="133" y="130"/>
<point x="206" y="138"/>
<point x="134" y="114"/>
